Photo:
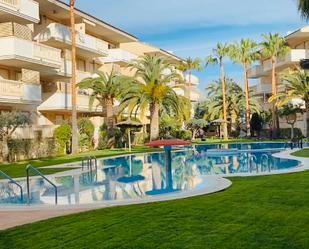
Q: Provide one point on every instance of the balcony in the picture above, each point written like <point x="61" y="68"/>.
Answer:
<point x="19" y="92"/>
<point x="255" y="72"/>
<point x="60" y="101"/>
<point x="58" y="35"/>
<point x="22" y="53"/>
<point x="194" y="79"/>
<point x="118" y="56"/>
<point x="24" y="11"/>
<point x="292" y="57"/>
<point x="263" y="88"/>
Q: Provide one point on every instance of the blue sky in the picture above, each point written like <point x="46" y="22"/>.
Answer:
<point x="193" y="27"/>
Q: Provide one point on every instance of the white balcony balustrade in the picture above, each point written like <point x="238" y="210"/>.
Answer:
<point x="60" y="101"/>
<point x="59" y="35"/>
<point x="118" y="56"/>
<point x="22" y="53"/>
<point x="193" y="80"/>
<point x="19" y="92"/>
<point x="22" y="10"/>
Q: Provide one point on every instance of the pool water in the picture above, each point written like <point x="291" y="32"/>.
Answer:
<point x="145" y="175"/>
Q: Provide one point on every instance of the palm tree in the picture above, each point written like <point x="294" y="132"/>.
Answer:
<point x="188" y="66"/>
<point x="105" y="88"/>
<point x="244" y="52"/>
<point x="74" y="110"/>
<point x="235" y="101"/>
<point x="303" y="8"/>
<point x="219" y="53"/>
<point x="273" y="47"/>
<point x="151" y="91"/>
<point x="297" y="87"/>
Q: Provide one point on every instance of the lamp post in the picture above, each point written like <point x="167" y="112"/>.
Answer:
<point x="73" y="83"/>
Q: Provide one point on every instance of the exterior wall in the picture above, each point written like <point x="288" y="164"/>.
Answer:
<point x="299" y="45"/>
<point x="35" y="63"/>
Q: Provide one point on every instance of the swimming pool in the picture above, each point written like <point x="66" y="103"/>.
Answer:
<point x="145" y="175"/>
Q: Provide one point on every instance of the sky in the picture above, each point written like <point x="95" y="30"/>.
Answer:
<point x="193" y="27"/>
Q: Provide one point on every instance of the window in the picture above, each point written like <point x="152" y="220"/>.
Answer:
<point x="81" y="65"/>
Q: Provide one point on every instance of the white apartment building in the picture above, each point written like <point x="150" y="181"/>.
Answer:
<point x="35" y="60"/>
<point x="298" y="42"/>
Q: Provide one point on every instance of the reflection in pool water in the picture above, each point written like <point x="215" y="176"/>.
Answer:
<point x="139" y="176"/>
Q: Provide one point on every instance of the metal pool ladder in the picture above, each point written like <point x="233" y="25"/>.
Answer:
<point x="267" y="161"/>
<point x="37" y="172"/>
<point x="90" y="162"/>
<point x="11" y="180"/>
<point x="253" y="159"/>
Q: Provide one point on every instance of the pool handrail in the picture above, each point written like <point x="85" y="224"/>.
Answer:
<point x="253" y="158"/>
<point x="37" y="172"/>
<point x="267" y="160"/>
<point x="11" y="180"/>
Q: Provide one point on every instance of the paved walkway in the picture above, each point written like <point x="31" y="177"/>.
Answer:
<point x="11" y="216"/>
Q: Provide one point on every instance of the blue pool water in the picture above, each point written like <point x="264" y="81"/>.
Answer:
<point x="139" y="176"/>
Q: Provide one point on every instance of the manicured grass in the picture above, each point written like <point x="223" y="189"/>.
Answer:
<point x="18" y="169"/>
<point x="301" y="153"/>
<point x="269" y="212"/>
<point x="235" y="140"/>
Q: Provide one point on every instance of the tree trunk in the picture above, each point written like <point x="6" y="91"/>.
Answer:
<point x="292" y="131"/>
<point x="274" y="93"/>
<point x="109" y="113"/>
<point x="73" y="93"/>
<point x="154" y="121"/>
<point x="246" y="86"/>
<point x="307" y="118"/>
<point x="5" y="149"/>
<point x="225" y="133"/>
<point x="193" y="134"/>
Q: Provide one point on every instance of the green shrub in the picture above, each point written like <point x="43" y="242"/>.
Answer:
<point x="284" y="133"/>
<point x="86" y="130"/>
<point x="184" y="134"/>
<point x="62" y="135"/>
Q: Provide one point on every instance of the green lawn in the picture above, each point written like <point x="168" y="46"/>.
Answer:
<point x="302" y="153"/>
<point x="270" y="212"/>
<point x="18" y="169"/>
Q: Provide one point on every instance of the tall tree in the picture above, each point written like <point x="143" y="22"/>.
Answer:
<point x="297" y="87"/>
<point x="274" y="47"/>
<point x="9" y="122"/>
<point x="217" y="57"/>
<point x="151" y="90"/>
<point x="303" y="8"/>
<point x="73" y="93"/>
<point x="245" y="52"/>
<point x="235" y="100"/>
<point x="104" y="87"/>
<point x="188" y="66"/>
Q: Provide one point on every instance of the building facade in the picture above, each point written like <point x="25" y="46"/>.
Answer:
<point x="298" y="41"/>
<point x="36" y="66"/>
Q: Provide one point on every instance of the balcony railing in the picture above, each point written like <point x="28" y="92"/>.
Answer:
<point x="62" y="33"/>
<point x="29" y="52"/>
<point x="12" y="3"/>
<point x="24" y="9"/>
<point x="118" y="55"/>
<point x="11" y="88"/>
<point x="43" y="52"/>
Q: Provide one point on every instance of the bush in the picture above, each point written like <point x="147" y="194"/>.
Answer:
<point x="184" y="134"/>
<point x="86" y="130"/>
<point x="284" y="133"/>
<point x="103" y="137"/>
<point x="25" y="149"/>
<point x="62" y="135"/>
